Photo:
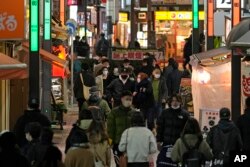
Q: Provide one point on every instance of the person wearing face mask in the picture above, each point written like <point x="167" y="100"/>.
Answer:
<point x="102" y="79"/>
<point x="117" y="86"/>
<point x="118" y="120"/>
<point x="160" y="91"/>
<point x="169" y="127"/>
<point x="83" y="48"/>
<point x="144" y="98"/>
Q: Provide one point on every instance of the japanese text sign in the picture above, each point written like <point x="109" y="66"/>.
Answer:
<point x="12" y="20"/>
<point x="226" y="4"/>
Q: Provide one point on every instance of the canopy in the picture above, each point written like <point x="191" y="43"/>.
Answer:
<point x="11" y="68"/>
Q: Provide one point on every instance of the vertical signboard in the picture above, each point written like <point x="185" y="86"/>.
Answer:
<point x="236" y="12"/>
<point x="47" y="19"/>
<point x="210" y="17"/>
<point x="34" y="25"/>
<point x="195" y="13"/>
<point x="12" y="20"/>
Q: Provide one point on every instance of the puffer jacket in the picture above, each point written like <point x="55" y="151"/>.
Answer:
<point x="179" y="148"/>
<point x="170" y="125"/>
<point x="118" y="120"/>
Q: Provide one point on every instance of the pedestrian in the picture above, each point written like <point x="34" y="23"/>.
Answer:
<point x="117" y="86"/>
<point x="10" y="156"/>
<point x="138" y="142"/>
<point x="144" y="98"/>
<point x="83" y="82"/>
<point x="102" y="46"/>
<point x="76" y="43"/>
<point x="83" y="49"/>
<point x="223" y="138"/>
<point x="96" y="100"/>
<point x="32" y="134"/>
<point x="32" y="114"/>
<point x="169" y="127"/>
<point x="104" y="62"/>
<point x="118" y="120"/>
<point x="160" y="91"/>
<point x="80" y="155"/>
<point x="191" y="137"/>
<point x="243" y="124"/>
<point x="99" y="143"/>
<point x="169" y="68"/>
<point x="80" y="127"/>
<point x="146" y="67"/>
<point x="174" y="80"/>
<point x="103" y="79"/>
<point x="187" y="52"/>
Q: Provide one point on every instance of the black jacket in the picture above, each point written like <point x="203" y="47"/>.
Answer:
<point x="116" y="87"/>
<point x="88" y="80"/>
<point x="144" y="99"/>
<point x="13" y="158"/>
<point x="27" y="117"/>
<point x="174" y="82"/>
<point x="228" y="140"/>
<point x="243" y="124"/>
<point x="170" y="125"/>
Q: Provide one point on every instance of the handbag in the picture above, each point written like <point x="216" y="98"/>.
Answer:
<point x="98" y="161"/>
<point x="123" y="160"/>
<point x="86" y="89"/>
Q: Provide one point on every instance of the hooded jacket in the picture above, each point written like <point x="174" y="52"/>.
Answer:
<point x="179" y="148"/>
<point x="226" y="141"/>
<point x="243" y="124"/>
<point x="33" y="115"/>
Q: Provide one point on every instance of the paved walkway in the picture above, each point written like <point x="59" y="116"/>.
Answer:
<point x="60" y="136"/>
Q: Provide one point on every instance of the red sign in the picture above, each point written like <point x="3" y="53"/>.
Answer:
<point x="72" y="2"/>
<point x="12" y="20"/>
<point x="246" y="85"/>
<point x="103" y="1"/>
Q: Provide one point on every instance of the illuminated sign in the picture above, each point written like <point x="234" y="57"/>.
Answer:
<point x="142" y="15"/>
<point x="47" y="19"/>
<point x="226" y="4"/>
<point x="123" y="17"/>
<point x="195" y="13"/>
<point x="210" y="18"/>
<point x="34" y="25"/>
<point x="165" y="15"/>
<point x="236" y="12"/>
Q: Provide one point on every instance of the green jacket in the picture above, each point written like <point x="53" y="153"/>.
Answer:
<point x="103" y="104"/>
<point x="119" y="119"/>
<point x="179" y="148"/>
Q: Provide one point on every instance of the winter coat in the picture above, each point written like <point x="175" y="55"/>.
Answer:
<point x="79" y="157"/>
<point x="27" y="117"/>
<point x="163" y="90"/>
<point x="100" y="149"/>
<point x="118" y="120"/>
<point x="170" y="125"/>
<point x="243" y="124"/>
<point x="232" y="139"/>
<point x="138" y="143"/>
<point x="144" y="99"/>
<point x="174" y="82"/>
<point x="179" y="148"/>
<point x="116" y="87"/>
<point x="12" y="158"/>
<point x="83" y="49"/>
<point x="88" y="80"/>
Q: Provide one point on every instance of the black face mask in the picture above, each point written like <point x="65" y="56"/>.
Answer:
<point x="124" y="77"/>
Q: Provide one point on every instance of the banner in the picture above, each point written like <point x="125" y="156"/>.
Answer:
<point x="135" y="54"/>
<point x="12" y="20"/>
<point x="245" y="81"/>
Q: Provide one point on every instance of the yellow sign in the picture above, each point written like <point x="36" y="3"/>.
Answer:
<point x="183" y="15"/>
<point x="123" y="17"/>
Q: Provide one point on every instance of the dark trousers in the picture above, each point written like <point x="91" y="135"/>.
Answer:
<point x="138" y="164"/>
<point x="80" y="103"/>
<point x="149" y="116"/>
<point x="117" y="154"/>
<point x="185" y="65"/>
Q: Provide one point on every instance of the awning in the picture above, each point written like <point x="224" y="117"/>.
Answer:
<point x="47" y="56"/>
<point x="11" y="68"/>
<point x="209" y="58"/>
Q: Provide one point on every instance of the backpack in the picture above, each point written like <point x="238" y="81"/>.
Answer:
<point x="193" y="157"/>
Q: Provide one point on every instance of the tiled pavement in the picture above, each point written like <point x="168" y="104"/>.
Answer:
<point x="61" y="135"/>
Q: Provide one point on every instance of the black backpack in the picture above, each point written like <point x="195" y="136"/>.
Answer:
<point x="193" y="157"/>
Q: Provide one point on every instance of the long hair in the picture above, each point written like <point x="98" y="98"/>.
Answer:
<point x="98" y="128"/>
<point x="192" y="127"/>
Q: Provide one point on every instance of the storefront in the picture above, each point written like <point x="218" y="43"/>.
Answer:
<point x="122" y="29"/>
<point x="173" y="27"/>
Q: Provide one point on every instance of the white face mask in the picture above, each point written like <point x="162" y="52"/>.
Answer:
<point x="157" y="76"/>
<point x="127" y="103"/>
<point x="175" y="107"/>
<point x="105" y="73"/>
<point x="138" y="80"/>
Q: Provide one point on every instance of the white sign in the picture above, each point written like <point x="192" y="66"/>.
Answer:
<point x="226" y="4"/>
